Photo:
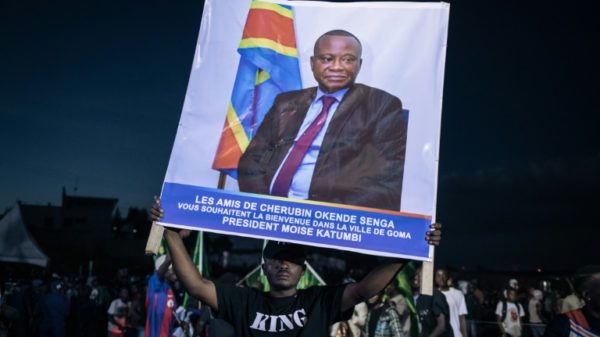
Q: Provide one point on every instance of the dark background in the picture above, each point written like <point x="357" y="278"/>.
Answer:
<point x="91" y="93"/>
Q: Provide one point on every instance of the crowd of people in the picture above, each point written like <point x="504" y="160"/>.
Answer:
<point x="130" y="305"/>
<point x="67" y="305"/>
<point x="120" y="306"/>
<point x="460" y="308"/>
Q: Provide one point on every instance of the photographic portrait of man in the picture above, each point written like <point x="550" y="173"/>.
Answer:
<point x="340" y="142"/>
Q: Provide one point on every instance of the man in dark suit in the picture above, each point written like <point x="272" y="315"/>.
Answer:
<point x="339" y="142"/>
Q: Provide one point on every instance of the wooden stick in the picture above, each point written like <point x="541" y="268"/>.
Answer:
<point x="427" y="276"/>
<point x="154" y="238"/>
<point x="156" y="232"/>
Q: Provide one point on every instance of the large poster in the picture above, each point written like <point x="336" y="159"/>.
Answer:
<point x="323" y="117"/>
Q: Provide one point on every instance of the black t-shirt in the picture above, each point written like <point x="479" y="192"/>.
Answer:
<point x="560" y="326"/>
<point x="255" y="314"/>
<point x="220" y="328"/>
<point x="428" y="309"/>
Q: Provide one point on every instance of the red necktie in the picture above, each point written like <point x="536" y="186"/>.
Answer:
<point x="282" y="183"/>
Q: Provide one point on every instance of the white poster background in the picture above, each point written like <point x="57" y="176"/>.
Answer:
<point x="404" y="48"/>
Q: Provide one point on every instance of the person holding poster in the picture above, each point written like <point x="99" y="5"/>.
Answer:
<point x="284" y="310"/>
<point x="340" y="142"/>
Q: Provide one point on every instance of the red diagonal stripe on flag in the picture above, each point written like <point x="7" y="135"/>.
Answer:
<point x="262" y="23"/>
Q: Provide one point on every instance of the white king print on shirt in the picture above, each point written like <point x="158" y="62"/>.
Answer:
<point x="274" y="323"/>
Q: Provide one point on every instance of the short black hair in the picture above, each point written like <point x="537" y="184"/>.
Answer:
<point x="338" y="32"/>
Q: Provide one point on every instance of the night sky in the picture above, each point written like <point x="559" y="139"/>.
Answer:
<point x="91" y="93"/>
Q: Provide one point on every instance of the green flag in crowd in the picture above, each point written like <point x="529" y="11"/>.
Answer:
<point x="404" y="281"/>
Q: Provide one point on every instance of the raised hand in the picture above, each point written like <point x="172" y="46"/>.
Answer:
<point x="434" y="234"/>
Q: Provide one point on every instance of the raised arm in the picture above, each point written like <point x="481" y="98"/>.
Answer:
<point x="185" y="269"/>
<point x="370" y="285"/>
<point x="382" y="275"/>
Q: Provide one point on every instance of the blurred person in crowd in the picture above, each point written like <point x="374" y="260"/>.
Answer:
<point x="522" y="295"/>
<point x="534" y="310"/>
<point x="398" y="301"/>
<point x="8" y="315"/>
<point x="193" y="320"/>
<point x="433" y="313"/>
<point x="474" y="307"/>
<point x="160" y="298"/>
<point x="383" y="319"/>
<point x="200" y="319"/>
<point x="84" y="313"/>
<point x="121" y="279"/>
<point x="341" y="329"/>
<point x="353" y="327"/>
<point x="118" y="314"/>
<point x="305" y="312"/>
<point x="549" y="302"/>
<point x="99" y="302"/>
<point x="583" y="322"/>
<point x="477" y="292"/>
<point x="513" y="283"/>
<point x="17" y="296"/>
<point x="556" y="300"/>
<point x="191" y="324"/>
<point x="509" y="313"/>
<point x="71" y="290"/>
<point x="39" y="292"/>
<point x="574" y="300"/>
<point x="456" y="303"/>
<point x="53" y="310"/>
<point x="137" y="314"/>
<point x="485" y="299"/>
<point x="183" y="326"/>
